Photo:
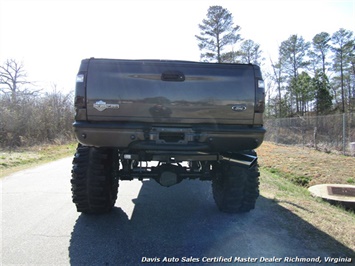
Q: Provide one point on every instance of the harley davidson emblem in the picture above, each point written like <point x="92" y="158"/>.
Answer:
<point x="101" y="106"/>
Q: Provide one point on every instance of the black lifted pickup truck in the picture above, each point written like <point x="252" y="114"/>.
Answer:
<point x="168" y="121"/>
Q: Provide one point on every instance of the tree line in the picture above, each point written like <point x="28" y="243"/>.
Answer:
<point x="29" y="116"/>
<point x="308" y="77"/>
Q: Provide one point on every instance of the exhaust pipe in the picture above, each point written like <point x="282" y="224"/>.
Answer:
<point x="243" y="160"/>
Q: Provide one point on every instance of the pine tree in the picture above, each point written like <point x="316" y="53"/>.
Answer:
<point x="250" y="52"/>
<point x="343" y="48"/>
<point x="323" y="98"/>
<point x="321" y="47"/>
<point x="216" y="32"/>
<point x="293" y="55"/>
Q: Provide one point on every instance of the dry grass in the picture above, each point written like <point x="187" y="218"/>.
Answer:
<point x="332" y="220"/>
<point x="279" y="163"/>
<point x="308" y="165"/>
<point x="23" y="158"/>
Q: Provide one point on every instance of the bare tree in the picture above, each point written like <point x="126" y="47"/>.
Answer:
<point x="12" y="76"/>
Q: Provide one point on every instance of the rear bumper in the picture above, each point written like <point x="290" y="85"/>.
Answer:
<point x="141" y="136"/>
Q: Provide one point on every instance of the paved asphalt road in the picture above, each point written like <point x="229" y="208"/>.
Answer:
<point x="40" y="225"/>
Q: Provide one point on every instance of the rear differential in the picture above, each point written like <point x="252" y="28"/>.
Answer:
<point x="168" y="174"/>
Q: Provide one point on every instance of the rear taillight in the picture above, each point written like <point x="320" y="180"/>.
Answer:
<point x="80" y="101"/>
<point x="80" y="78"/>
<point x="260" y="97"/>
<point x="80" y="97"/>
<point x="261" y="84"/>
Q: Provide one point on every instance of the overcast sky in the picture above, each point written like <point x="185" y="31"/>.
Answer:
<point x="51" y="37"/>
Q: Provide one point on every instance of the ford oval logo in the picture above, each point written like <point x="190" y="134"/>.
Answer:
<point x="239" y="107"/>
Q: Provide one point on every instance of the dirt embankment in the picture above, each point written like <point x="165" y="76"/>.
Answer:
<point x="306" y="166"/>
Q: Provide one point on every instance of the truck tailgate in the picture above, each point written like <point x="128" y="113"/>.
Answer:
<point x="170" y="92"/>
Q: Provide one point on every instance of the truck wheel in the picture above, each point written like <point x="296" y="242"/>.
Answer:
<point x="94" y="179"/>
<point x="235" y="189"/>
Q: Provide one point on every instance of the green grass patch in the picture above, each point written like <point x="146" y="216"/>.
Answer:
<point x="301" y="180"/>
<point x="284" y="185"/>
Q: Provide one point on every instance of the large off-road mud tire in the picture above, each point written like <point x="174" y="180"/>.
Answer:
<point x="94" y="179"/>
<point x="235" y="189"/>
